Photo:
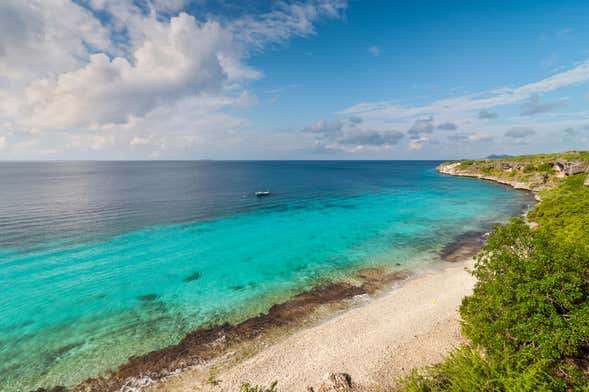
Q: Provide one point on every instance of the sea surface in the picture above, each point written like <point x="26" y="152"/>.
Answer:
<point x="103" y="260"/>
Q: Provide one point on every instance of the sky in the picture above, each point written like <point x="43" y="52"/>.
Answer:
<point x="307" y="79"/>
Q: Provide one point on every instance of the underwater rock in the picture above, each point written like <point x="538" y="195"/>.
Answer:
<point x="192" y="277"/>
<point x="148" y="297"/>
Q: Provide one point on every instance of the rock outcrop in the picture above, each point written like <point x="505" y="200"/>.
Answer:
<point x="569" y="168"/>
<point x="536" y="174"/>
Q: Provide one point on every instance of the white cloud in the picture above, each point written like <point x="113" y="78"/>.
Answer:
<point x="374" y="51"/>
<point x="417" y="144"/>
<point x="472" y="102"/>
<point x="43" y="37"/>
<point x="448" y="126"/>
<point x="519" y="132"/>
<point x="421" y="126"/>
<point x="178" y="59"/>
<point x="533" y="106"/>
<point x="325" y="127"/>
<point x="143" y="72"/>
<point x="485" y="114"/>
<point x="285" y="21"/>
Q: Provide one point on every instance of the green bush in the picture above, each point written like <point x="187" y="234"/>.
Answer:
<point x="468" y="370"/>
<point x="564" y="211"/>
<point x="531" y="297"/>
<point x="528" y="317"/>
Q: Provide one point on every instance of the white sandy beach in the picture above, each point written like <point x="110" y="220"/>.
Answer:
<point x="412" y="326"/>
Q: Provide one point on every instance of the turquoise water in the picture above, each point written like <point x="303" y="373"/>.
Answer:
<point x="88" y="288"/>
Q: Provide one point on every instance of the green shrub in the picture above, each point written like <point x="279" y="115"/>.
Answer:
<point x="532" y="295"/>
<point x="468" y="370"/>
<point x="528" y="317"/>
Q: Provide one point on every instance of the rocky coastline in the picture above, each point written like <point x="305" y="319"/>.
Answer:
<point x="535" y="175"/>
<point x="231" y="343"/>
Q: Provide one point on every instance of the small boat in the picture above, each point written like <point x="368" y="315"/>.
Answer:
<point x="262" y="193"/>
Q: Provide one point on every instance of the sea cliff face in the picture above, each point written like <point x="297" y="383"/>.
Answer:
<point x="534" y="172"/>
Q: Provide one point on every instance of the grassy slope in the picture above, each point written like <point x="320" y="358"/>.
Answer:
<point x="528" y="319"/>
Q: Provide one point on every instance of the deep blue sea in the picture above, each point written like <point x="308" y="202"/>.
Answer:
<point x="103" y="260"/>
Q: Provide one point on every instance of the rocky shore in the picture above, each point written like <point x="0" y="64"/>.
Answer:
<point x="534" y="174"/>
<point x="230" y="343"/>
<point x="301" y="339"/>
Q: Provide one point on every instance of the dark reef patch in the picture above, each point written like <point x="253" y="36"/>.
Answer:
<point x="192" y="277"/>
<point x="63" y="350"/>
<point x="207" y="343"/>
<point x="148" y="297"/>
<point x="463" y="247"/>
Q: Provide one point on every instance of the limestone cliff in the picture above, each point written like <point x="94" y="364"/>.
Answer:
<point x="532" y="172"/>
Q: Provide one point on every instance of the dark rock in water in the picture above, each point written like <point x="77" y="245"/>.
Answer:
<point x="206" y="343"/>
<point x="60" y="352"/>
<point x="148" y="297"/>
<point x="192" y="277"/>
<point x="464" y="247"/>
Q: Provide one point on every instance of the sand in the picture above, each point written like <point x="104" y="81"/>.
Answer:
<point x="413" y="325"/>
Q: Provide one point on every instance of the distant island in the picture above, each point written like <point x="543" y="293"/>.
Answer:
<point x="498" y="156"/>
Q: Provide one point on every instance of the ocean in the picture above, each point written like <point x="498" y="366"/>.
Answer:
<point x="100" y="261"/>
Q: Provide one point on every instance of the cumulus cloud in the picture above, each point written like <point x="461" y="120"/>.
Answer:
<point x="355" y="119"/>
<point x="351" y="137"/>
<point x="519" y="132"/>
<point x="534" y="106"/>
<point x="325" y="127"/>
<point x="420" y="127"/>
<point x="373" y="138"/>
<point x="418" y="143"/>
<point x="176" y="60"/>
<point x="485" y="114"/>
<point x="470" y="137"/>
<point x="109" y="65"/>
<point x="448" y="126"/>
<point x="45" y="37"/>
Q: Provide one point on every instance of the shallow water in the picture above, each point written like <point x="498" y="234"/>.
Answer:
<point x="103" y="260"/>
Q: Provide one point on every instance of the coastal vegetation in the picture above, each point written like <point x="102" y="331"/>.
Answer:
<point x="533" y="172"/>
<point x="527" y="321"/>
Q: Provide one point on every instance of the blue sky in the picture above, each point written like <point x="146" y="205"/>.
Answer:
<point x="322" y="79"/>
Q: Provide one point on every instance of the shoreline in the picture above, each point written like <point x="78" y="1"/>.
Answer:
<point x="208" y="345"/>
<point x="451" y="169"/>
<point x="228" y="345"/>
<point x="374" y="343"/>
<point x="206" y="356"/>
